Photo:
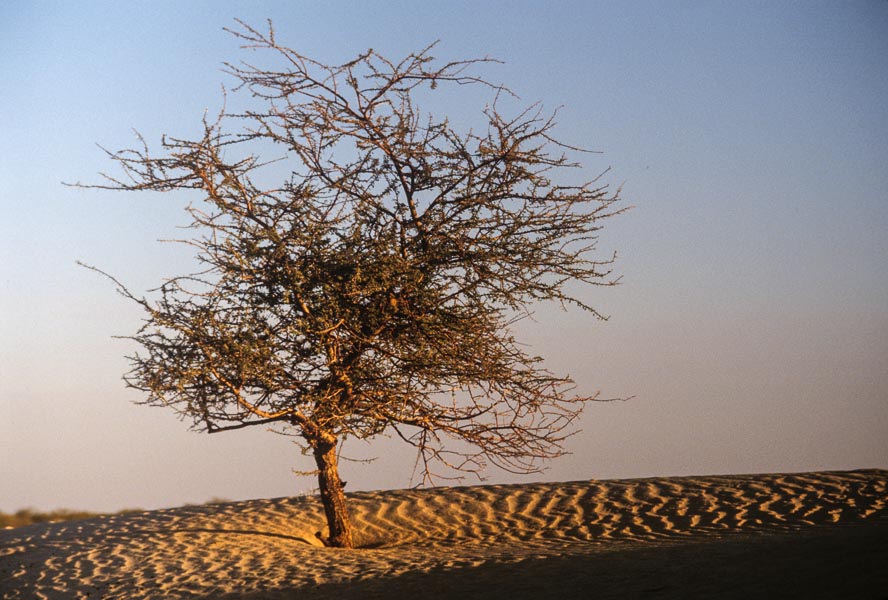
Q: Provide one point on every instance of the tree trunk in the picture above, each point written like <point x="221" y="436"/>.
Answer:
<point x="332" y="494"/>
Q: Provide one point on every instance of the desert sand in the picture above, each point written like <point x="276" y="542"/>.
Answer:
<point x="809" y="535"/>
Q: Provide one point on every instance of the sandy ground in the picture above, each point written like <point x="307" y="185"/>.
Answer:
<point x="810" y="535"/>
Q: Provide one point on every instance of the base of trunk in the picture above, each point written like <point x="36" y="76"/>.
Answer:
<point x="332" y="494"/>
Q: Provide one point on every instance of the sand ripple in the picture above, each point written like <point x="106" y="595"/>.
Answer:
<point x="267" y="548"/>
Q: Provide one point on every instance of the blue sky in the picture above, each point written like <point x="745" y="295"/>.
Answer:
<point x="751" y="327"/>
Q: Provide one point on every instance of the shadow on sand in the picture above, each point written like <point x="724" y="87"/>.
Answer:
<point x="841" y="562"/>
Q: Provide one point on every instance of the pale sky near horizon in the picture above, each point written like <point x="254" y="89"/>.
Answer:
<point x="751" y="326"/>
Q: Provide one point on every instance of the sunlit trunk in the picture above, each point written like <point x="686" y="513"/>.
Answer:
<point x="332" y="494"/>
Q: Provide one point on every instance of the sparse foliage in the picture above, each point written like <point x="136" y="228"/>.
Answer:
<point x="373" y="291"/>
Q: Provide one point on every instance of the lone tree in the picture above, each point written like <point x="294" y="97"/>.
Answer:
<point x="374" y="290"/>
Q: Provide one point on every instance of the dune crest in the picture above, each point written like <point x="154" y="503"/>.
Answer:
<point x="508" y="537"/>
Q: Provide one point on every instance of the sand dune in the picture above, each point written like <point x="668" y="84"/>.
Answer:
<point x="801" y="535"/>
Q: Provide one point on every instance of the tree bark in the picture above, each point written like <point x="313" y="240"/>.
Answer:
<point x="332" y="493"/>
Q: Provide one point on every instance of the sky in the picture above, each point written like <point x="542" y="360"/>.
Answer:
<point x="750" y="329"/>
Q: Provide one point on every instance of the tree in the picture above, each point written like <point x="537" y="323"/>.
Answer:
<point x="373" y="291"/>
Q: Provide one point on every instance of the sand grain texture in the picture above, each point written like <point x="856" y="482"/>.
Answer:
<point x="811" y="535"/>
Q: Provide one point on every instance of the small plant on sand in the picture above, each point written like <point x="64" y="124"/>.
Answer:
<point x="372" y="291"/>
